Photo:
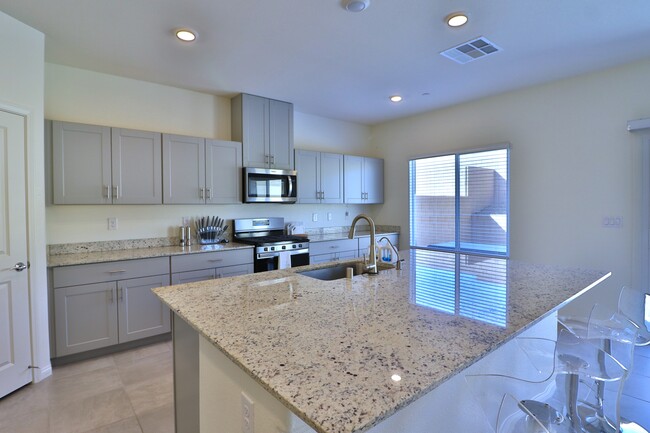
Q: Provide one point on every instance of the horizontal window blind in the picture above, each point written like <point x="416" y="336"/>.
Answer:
<point x="460" y="202"/>
<point x="465" y="285"/>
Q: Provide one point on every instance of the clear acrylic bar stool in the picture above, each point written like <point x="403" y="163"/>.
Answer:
<point x="527" y="397"/>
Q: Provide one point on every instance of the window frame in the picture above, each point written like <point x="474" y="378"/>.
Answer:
<point x="457" y="154"/>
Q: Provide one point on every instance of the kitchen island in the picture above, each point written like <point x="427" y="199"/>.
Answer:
<point x="357" y="355"/>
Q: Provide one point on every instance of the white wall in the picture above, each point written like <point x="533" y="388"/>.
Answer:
<point x="572" y="163"/>
<point x="21" y="86"/>
<point x="83" y="96"/>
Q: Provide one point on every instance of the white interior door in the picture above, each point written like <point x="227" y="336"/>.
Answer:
<point x="15" y="345"/>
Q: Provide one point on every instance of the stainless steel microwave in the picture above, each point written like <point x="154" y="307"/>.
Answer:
<point x="269" y="185"/>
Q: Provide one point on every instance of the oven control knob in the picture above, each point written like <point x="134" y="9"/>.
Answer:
<point x="266" y="249"/>
<point x="284" y="247"/>
<point x="272" y="248"/>
<point x="293" y="246"/>
<point x="299" y="245"/>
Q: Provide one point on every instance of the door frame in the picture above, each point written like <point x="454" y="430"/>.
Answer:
<point x="38" y="317"/>
<point x="641" y="273"/>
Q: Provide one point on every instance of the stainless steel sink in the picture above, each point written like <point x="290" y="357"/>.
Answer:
<point x="339" y="271"/>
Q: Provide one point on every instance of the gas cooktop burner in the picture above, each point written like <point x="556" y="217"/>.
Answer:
<point x="273" y="239"/>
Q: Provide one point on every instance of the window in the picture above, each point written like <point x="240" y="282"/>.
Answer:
<point x="460" y="202"/>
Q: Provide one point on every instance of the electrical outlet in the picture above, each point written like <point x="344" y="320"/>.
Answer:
<point x="329" y="216"/>
<point x="247" y="414"/>
<point x="612" y="222"/>
<point x="314" y="217"/>
<point x="185" y="221"/>
<point x="112" y="223"/>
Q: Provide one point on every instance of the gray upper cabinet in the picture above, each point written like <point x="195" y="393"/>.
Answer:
<point x="136" y="167"/>
<point x="321" y="177"/>
<point x="81" y="158"/>
<point x="363" y="179"/>
<point x="95" y="164"/>
<point x="198" y="170"/>
<point x="223" y="175"/>
<point x="265" y="128"/>
<point x="183" y="169"/>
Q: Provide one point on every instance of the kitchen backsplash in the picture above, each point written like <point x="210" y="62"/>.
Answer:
<point x="89" y="247"/>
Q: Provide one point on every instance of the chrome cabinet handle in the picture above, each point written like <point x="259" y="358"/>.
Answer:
<point x="107" y="192"/>
<point x="215" y="260"/>
<point x="273" y="159"/>
<point x="110" y="298"/>
<point x="19" y="267"/>
<point x="121" y="294"/>
<point x="117" y="271"/>
<point x="266" y="159"/>
<point x="334" y="247"/>
<point x="208" y="193"/>
<point x="116" y="192"/>
<point x="202" y="193"/>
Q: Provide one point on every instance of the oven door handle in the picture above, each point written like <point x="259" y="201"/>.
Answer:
<point x="290" y="186"/>
<point x="277" y="254"/>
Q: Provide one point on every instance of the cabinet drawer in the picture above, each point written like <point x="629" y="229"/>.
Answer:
<point x="65" y="276"/>
<point x="214" y="259"/>
<point x="325" y="247"/>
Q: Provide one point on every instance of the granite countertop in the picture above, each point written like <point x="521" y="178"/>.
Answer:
<point x="327" y="349"/>
<point x="335" y="236"/>
<point x="83" y="258"/>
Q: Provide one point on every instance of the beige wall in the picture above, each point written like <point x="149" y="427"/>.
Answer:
<point x="572" y="163"/>
<point x="83" y="96"/>
<point x="21" y="87"/>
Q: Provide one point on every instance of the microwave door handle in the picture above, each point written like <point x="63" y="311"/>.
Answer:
<point x="290" y="185"/>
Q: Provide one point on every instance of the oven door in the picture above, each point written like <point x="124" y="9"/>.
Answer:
<point x="265" y="185"/>
<point x="271" y="261"/>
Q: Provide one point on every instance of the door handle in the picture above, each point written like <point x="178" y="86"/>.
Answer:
<point x="19" y="267"/>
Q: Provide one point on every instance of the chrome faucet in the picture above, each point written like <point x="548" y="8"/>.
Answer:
<point x="371" y="267"/>
<point x="398" y="263"/>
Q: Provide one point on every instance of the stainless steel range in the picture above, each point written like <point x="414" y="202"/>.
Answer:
<point x="273" y="249"/>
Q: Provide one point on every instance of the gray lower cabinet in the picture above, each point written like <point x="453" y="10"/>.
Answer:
<point x="103" y="304"/>
<point x="208" y="266"/>
<point x="93" y="164"/>
<point x="328" y="251"/>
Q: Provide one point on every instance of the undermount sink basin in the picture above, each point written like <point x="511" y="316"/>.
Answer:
<point x="339" y="271"/>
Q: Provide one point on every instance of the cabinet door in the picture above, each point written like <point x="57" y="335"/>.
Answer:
<point x="255" y="130"/>
<point x="353" y="175"/>
<point x="136" y="166"/>
<point x="373" y="180"/>
<point x="141" y="314"/>
<point x="231" y="271"/>
<point x="81" y="156"/>
<point x="331" y="177"/>
<point x="183" y="169"/>
<point x="281" y="134"/>
<point x="308" y="168"/>
<point x="223" y="174"/>
<point x="322" y="258"/>
<point x="192" y="276"/>
<point x="85" y="317"/>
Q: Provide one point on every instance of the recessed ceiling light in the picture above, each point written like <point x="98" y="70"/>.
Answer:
<point x="396" y="98"/>
<point x="456" y="19"/>
<point x="356" y="5"/>
<point x="186" y="35"/>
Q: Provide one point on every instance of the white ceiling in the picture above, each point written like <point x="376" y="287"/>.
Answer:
<point x="334" y="63"/>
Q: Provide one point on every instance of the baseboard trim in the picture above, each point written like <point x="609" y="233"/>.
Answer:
<point x="42" y="373"/>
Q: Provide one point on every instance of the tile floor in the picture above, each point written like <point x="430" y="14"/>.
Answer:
<point x="127" y="392"/>
<point x="131" y="392"/>
<point x="635" y="403"/>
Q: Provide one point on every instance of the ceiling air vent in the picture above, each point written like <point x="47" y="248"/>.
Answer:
<point x="472" y="50"/>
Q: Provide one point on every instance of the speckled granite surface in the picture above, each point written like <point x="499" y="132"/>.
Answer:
<point x="82" y="258"/>
<point x="327" y="349"/>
